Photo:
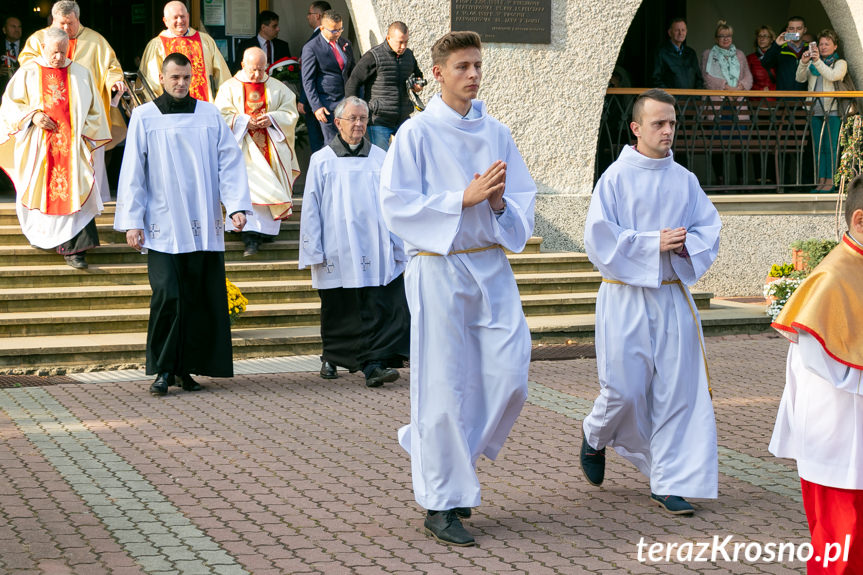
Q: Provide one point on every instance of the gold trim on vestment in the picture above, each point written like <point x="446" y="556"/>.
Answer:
<point x="468" y="251"/>
<point x="685" y="293"/>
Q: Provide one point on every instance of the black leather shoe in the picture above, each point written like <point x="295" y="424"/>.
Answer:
<point x="381" y="375"/>
<point x="251" y="249"/>
<point x="328" y="370"/>
<point x="160" y="386"/>
<point x="77" y="261"/>
<point x="592" y="462"/>
<point x="446" y="527"/>
<point x="463" y="512"/>
<point x="189" y="384"/>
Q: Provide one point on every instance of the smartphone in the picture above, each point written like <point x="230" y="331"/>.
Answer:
<point x="792" y="36"/>
<point x="812" y="47"/>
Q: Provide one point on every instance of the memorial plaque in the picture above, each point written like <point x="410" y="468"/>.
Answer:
<point x="519" y="21"/>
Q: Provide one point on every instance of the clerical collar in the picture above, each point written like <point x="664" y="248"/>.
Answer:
<point x="853" y="239"/>
<point x="167" y="104"/>
<point x="343" y="150"/>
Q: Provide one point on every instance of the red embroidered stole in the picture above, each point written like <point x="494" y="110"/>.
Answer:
<point x="192" y="48"/>
<point x="255" y="105"/>
<point x="58" y="158"/>
<point x="70" y="53"/>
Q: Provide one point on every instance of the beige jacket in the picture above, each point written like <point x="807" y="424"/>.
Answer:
<point x="830" y="75"/>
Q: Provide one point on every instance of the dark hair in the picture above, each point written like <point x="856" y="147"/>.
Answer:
<point x="332" y="15"/>
<point x="321" y="5"/>
<point x="675" y="21"/>
<point x="175" y="58"/>
<point x="265" y="17"/>
<point x="656" y="94"/>
<point x="854" y="200"/>
<point x="769" y="31"/>
<point x="796" y="19"/>
<point x="452" y="41"/>
<point x="400" y="26"/>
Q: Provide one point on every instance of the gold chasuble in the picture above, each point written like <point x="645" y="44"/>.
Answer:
<point x="271" y="163"/>
<point x="91" y="50"/>
<point x="191" y="48"/>
<point x="829" y="305"/>
<point x="52" y="170"/>
<point x="209" y="69"/>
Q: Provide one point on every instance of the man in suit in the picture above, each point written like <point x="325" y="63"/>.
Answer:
<point x="313" y="128"/>
<point x="267" y="40"/>
<point x="327" y="62"/>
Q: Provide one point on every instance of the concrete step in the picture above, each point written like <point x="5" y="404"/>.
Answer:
<point x="115" y="319"/>
<point x="115" y="350"/>
<point x="10" y="234"/>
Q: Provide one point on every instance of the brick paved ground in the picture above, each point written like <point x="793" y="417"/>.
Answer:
<point x="274" y="474"/>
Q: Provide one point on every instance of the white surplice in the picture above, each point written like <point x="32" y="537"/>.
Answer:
<point x="470" y="344"/>
<point x="820" y="419"/>
<point x="178" y="170"/>
<point x="23" y="153"/>
<point x="343" y="238"/>
<point x="654" y="407"/>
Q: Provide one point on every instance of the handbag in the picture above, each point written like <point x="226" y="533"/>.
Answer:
<point x="848" y="106"/>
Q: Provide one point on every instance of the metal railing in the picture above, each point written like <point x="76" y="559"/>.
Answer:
<point x="739" y="141"/>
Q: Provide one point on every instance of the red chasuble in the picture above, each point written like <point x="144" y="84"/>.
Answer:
<point x="191" y="48"/>
<point x="58" y="168"/>
<point x="70" y="53"/>
<point x="255" y="104"/>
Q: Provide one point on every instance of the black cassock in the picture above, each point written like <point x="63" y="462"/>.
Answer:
<point x="365" y="324"/>
<point x="189" y="330"/>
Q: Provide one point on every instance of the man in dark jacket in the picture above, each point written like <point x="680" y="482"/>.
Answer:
<point x="785" y="53"/>
<point x="380" y="78"/>
<point x="327" y="63"/>
<point x="676" y="64"/>
<point x="267" y="40"/>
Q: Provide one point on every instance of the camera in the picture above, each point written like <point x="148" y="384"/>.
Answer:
<point x="812" y="47"/>
<point x="792" y="36"/>
<point x="414" y="79"/>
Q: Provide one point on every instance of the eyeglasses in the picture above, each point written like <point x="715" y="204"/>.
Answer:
<point x="724" y="36"/>
<point x="765" y="36"/>
<point x="355" y="119"/>
<point x="336" y="31"/>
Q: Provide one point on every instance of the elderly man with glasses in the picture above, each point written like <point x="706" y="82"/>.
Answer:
<point x="356" y="263"/>
<point x="327" y="64"/>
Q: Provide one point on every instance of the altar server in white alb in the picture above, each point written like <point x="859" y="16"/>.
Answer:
<point x="51" y="123"/>
<point x="180" y="166"/>
<point x="820" y="419"/>
<point x="456" y="190"/>
<point x="262" y="114"/>
<point x="651" y="231"/>
<point x="356" y="262"/>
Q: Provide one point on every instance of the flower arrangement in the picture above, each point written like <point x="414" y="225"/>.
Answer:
<point x="237" y="302"/>
<point x="780" y="270"/>
<point x="778" y="292"/>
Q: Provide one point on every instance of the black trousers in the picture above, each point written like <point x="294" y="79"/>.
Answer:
<point x="361" y="325"/>
<point x="84" y="240"/>
<point x="189" y="330"/>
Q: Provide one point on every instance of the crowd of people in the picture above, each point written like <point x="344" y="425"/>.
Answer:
<point x="404" y="229"/>
<point x="794" y="60"/>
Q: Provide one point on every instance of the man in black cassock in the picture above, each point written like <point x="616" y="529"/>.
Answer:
<point x="181" y="164"/>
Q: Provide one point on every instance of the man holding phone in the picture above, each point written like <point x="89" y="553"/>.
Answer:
<point x="785" y="53"/>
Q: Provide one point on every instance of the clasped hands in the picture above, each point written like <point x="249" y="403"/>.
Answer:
<point x="488" y="186"/>
<point x="260" y="122"/>
<point x="672" y="240"/>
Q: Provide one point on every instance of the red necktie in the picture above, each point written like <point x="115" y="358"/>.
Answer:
<point x="269" y="52"/>
<point x="339" y="58"/>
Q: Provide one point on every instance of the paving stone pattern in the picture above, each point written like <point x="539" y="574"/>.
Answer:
<point x="289" y="473"/>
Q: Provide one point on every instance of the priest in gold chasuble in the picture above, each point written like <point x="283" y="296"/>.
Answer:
<point x="51" y="123"/>
<point x="209" y="69"/>
<point x="262" y="114"/>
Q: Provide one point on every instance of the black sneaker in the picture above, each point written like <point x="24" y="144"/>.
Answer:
<point x="673" y="504"/>
<point x="446" y="527"/>
<point x="592" y="462"/>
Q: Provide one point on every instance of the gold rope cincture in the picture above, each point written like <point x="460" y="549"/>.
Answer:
<point x="685" y="293"/>
<point x="470" y="251"/>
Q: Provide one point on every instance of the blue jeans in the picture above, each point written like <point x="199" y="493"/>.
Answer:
<point x="380" y="136"/>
